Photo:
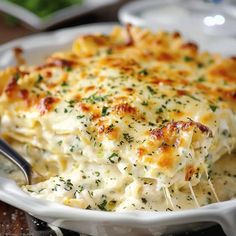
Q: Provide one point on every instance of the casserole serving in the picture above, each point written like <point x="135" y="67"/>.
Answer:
<point x="200" y="127"/>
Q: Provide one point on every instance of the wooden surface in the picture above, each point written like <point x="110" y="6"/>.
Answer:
<point x="12" y="221"/>
<point x="9" y="32"/>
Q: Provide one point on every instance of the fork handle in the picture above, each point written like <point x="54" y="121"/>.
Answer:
<point x="16" y="159"/>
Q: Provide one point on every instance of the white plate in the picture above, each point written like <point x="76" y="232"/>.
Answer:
<point x="59" y="16"/>
<point x="97" y="222"/>
<point x="158" y="14"/>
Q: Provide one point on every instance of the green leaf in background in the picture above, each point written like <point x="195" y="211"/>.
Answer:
<point x="44" y="8"/>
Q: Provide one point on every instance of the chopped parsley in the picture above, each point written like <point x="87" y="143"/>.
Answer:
<point x="29" y="190"/>
<point x="188" y="58"/>
<point x="68" y="68"/>
<point x="110" y="128"/>
<point x="16" y="76"/>
<point x="94" y="98"/>
<point x="143" y="72"/>
<point x="104" y="111"/>
<point x="194" y="98"/>
<point x="64" y="84"/>
<point x="80" y="117"/>
<point x="213" y="107"/>
<point x="201" y="79"/>
<point x="114" y="157"/>
<point x="144" y="103"/>
<point x="109" y="51"/>
<point x="68" y="185"/>
<point x="102" y="206"/>
<point x="168" y="209"/>
<point x="80" y="189"/>
<point x="159" y="110"/>
<point x="88" y="207"/>
<point x="72" y="148"/>
<point x="151" y="90"/>
<point x="71" y="103"/>
<point x="144" y="200"/>
<point x="98" y="181"/>
<point x="40" y="190"/>
<point x="200" y="65"/>
<point x="59" y="142"/>
<point x="226" y="133"/>
<point x="39" y="79"/>
<point x="128" y="138"/>
<point x="55" y="187"/>
<point x="97" y="173"/>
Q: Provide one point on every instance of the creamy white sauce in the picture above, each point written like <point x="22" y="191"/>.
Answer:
<point x="105" y="188"/>
<point x="123" y="130"/>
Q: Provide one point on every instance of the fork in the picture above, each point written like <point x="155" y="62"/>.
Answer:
<point x="16" y="159"/>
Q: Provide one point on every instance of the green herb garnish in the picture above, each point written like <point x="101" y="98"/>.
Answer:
<point x="213" y="107"/>
<point x="128" y="138"/>
<point x="188" y="58"/>
<point x="151" y="90"/>
<point x="44" y="8"/>
<point x="143" y="72"/>
<point x="113" y="158"/>
<point x="102" y="206"/>
<point x="104" y="111"/>
<point x="39" y="79"/>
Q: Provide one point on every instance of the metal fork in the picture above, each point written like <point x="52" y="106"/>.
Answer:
<point x="16" y="159"/>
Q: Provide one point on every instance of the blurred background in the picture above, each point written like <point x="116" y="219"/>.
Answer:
<point x="12" y="28"/>
<point x="24" y="17"/>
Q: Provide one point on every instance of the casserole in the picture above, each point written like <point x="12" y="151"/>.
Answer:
<point x="152" y="218"/>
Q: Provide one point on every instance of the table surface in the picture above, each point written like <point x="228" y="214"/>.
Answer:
<point x="14" y="222"/>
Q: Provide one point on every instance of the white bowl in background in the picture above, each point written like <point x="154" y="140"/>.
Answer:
<point x="178" y="15"/>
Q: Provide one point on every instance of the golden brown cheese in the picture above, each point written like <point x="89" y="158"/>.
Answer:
<point x="147" y="104"/>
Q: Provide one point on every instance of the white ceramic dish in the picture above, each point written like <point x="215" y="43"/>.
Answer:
<point x="174" y="15"/>
<point x="59" y="16"/>
<point x="95" y="222"/>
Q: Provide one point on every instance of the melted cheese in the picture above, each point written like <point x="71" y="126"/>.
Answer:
<point x="121" y="115"/>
